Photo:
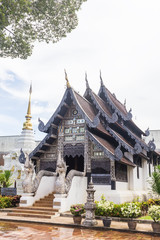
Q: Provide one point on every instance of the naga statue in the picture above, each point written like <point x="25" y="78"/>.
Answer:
<point x="30" y="184"/>
<point x="63" y="182"/>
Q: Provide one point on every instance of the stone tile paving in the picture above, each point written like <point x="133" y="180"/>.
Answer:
<point x="28" y="231"/>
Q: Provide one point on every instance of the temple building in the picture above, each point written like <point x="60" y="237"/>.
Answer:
<point x="95" y="134"/>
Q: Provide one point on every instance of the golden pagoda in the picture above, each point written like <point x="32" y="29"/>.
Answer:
<point x="27" y="125"/>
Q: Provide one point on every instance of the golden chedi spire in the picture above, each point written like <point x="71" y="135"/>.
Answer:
<point x="67" y="82"/>
<point x="27" y="125"/>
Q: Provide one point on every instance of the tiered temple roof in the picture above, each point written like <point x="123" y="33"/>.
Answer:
<point x="108" y="124"/>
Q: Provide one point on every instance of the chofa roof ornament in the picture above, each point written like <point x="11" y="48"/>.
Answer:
<point x="40" y="125"/>
<point x="87" y="84"/>
<point x="129" y="114"/>
<point x="102" y="84"/>
<point x="118" y="153"/>
<point x="67" y="81"/>
<point x="151" y="145"/>
<point x="147" y="132"/>
<point x="137" y="148"/>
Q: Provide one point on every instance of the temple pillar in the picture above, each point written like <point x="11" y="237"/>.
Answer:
<point x="112" y="173"/>
<point x="87" y="158"/>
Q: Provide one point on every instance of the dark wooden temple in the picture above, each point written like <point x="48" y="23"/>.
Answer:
<point x="95" y="134"/>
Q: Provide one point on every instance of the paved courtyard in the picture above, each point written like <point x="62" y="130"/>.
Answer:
<point x="28" y="231"/>
<point x="62" y="227"/>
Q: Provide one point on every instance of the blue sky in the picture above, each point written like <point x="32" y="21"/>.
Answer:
<point x="119" y="37"/>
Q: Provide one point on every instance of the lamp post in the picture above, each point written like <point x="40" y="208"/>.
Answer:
<point x="90" y="206"/>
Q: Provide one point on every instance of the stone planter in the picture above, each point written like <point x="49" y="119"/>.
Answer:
<point x="77" y="219"/>
<point x="156" y="226"/>
<point x="132" y="224"/>
<point x="106" y="221"/>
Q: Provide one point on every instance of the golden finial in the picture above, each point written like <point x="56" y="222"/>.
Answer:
<point x="27" y="125"/>
<point x="67" y="82"/>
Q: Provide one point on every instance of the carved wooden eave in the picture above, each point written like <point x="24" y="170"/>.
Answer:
<point x="43" y="144"/>
<point x="118" y="107"/>
<point x="69" y="94"/>
<point x="110" y="118"/>
<point x="137" y="140"/>
<point x="124" y="115"/>
<point x="110" y="152"/>
<point x="119" y="139"/>
<point x="126" y="161"/>
<point x="92" y="121"/>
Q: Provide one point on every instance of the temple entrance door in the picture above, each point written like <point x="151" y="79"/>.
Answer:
<point x="76" y="163"/>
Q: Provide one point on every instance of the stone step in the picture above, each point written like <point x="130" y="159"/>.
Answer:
<point x="43" y="204"/>
<point x="45" y="200"/>
<point x="39" y="208"/>
<point x="29" y="215"/>
<point x="14" y="210"/>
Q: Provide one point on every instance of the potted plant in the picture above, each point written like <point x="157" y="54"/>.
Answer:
<point x="154" y="212"/>
<point x="77" y="210"/>
<point x="104" y="208"/>
<point x="131" y="210"/>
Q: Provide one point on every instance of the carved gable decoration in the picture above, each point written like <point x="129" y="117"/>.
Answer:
<point x="48" y="165"/>
<point x="73" y="150"/>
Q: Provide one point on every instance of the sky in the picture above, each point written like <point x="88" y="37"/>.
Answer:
<point x="121" y="38"/>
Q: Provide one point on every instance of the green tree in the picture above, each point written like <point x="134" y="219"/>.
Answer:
<point x="155" y="181"/>
<point x="5" y="178"/>
<point x="22" y="22"/>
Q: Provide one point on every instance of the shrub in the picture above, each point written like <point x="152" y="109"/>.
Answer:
<point x="117" y="210"/>
<point x="104" y="207"/>
<point x="77" y="209"/>
<point x="15" y="200"/>
<point x="154" y="212"/>
<point x="9" y="201"/>
<point x="131" y="210"/>
<point x="5" y="202"/>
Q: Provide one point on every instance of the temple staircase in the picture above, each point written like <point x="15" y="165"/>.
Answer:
<point x="42" y="208"/>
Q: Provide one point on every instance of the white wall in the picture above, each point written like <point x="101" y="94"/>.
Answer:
<point x="101" y="189"/>
<point x="121" y="186"/>
<point x="46" y="187"/>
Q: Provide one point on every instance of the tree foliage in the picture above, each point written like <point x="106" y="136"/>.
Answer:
<point x="5" y="178"/>
<point x="155" y="182"/>
<point x="22" y="22"/>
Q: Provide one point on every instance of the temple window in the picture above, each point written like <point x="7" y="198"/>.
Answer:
<point x="67" y="130"/>
<point x="98" y="154"/>
<point x="81" y="129"/>
<point x="75" y="130"/>
<point x="80" y="138"/>
<point x="80" y="121"/>
<point x="137" y="160"/>
<point x="68" y="138"/>
<point x="137" y="172"/>
<point x="121" y="172"/>
<point x="155" y="162"/>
